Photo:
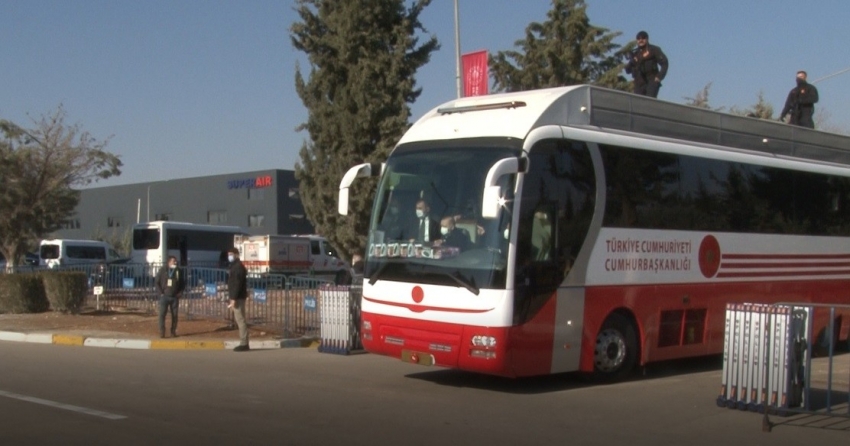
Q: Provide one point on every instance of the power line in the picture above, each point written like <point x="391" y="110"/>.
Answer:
<point x="831" y="75"/>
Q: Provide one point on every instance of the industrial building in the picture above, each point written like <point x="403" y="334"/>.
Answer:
<point x="261" y="202"/>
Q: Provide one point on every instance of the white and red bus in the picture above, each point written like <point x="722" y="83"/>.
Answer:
<point x="607" y="230"/>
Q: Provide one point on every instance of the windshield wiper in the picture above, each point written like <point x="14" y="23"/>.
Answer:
<point x="374" y="277"/>
<point x="468" y="284"/>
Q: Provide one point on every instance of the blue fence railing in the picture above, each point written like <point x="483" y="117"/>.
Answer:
<point x="283" y="304"/>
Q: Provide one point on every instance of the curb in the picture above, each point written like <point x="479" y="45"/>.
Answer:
<point x="148" y="344"/>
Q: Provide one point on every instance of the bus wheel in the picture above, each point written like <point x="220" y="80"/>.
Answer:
<point x="616" y="349"/>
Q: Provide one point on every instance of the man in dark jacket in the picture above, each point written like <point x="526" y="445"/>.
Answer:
<point x="453" y="236"/>
<point x="800" y="103"/>
<point x="426" y="228"/>
<point x="237" y="289"/>
<point x="648" y="66"/>
<point x="170" y="284"/>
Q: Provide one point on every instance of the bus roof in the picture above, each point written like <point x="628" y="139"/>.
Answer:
<point x="187" y="225"/>
<point x="514" y="115"/>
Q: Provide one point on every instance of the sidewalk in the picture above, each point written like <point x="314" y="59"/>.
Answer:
<point x="135" y="331"/>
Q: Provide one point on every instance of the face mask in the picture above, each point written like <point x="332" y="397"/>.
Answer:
<point x="230" y="258"/>
<point x="172" y="266"/>
<point x="444" y="230"/>
<point x="801" y="81"/>
<point x="420" y="213"/>
<point x="507" y="233"/>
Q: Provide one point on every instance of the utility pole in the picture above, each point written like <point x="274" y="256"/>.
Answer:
<point x="457" y="52"/>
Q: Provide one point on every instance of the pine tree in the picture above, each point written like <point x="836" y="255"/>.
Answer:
<point x="564" y="50"/>
<point x="363" y="55"/>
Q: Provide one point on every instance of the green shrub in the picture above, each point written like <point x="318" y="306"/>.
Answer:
<point x="65" y="290"/>
<point x="22" y="293"/>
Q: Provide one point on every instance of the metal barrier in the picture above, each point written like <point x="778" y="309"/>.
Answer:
<point x="285" y="305"/>
<point x="340" y="312"/>
<point x="768" y="364"/>
<point x="826" y="399"/>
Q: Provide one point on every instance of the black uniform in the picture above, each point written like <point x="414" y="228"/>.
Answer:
<point x="237" y="281"/>
<point x="170" y="283"/>
<point x="645" y="65"/>
<point x="458" y="238"/>
<point x="801" y="105"/>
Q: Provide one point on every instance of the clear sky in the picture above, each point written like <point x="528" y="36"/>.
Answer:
<point x="191" y="88"/>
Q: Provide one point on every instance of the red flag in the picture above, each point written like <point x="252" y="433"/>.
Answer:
<point x="475" y="74"/>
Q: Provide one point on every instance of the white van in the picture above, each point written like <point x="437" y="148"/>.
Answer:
<point x="290" y="254"/>
<point x="56" y="252"/>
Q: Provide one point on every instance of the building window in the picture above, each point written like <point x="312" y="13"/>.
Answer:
<point x="214" y="217"/>
<point x="256" y="194"/>
<point x="162" y="217"/>
<point x="256" y="221"/>
<point x="296" y="217"/>
<point x="293" y="193"/>
<point x="113" y="222"/>
<point x="73" y="223"/>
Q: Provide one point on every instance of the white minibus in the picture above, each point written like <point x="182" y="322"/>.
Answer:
<point x="58" y="252"/>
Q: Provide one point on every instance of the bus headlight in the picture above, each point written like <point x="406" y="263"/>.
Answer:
<point x="484" y="341"/>
<point x="367" y="325"/>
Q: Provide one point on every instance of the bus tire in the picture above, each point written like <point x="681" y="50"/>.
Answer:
<point x="616" y="349"/>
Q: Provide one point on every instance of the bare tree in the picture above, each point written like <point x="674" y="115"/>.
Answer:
<point x="700" y="99"/>
<point x="39" y="168"/>
<point x="823" y="121"/>
<point x="761" y="109"/>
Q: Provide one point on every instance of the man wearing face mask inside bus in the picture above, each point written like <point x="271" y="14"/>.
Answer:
<point x="426" y="229"/>
<point x="452" y="235"/>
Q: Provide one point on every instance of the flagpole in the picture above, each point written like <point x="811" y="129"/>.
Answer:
<point x="457" y="52"/>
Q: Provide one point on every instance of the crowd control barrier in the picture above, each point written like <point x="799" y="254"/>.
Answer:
<point x="767" y="361"/>
<point x="764" y="349"/>
<point x="281" y="304"/>
<point x="340" y="318"/>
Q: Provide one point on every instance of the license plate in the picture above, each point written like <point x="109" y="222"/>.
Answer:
<point x="417" y="357"/>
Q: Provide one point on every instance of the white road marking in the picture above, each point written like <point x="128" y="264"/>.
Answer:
<point x="85" y="410"/>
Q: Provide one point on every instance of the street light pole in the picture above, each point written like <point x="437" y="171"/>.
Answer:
<point x="149" y="203"/>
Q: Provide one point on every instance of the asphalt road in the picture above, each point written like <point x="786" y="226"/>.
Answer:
<point x="65" y="395"/>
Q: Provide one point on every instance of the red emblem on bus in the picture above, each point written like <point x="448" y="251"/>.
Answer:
<point x="417" y="294"/>
<point x="709" y="256"/>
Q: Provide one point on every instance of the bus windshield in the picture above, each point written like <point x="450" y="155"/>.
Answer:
<point x="426" y="224"/>
<point x="146" y="238"/>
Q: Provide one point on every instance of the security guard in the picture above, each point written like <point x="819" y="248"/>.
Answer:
<point x="800" y="103"/>
<point x="648" y="66"/>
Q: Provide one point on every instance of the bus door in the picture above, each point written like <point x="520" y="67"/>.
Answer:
<point x="183" y="246"/>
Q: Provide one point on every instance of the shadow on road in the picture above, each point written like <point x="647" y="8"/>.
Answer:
<point x="563" y="381"/>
